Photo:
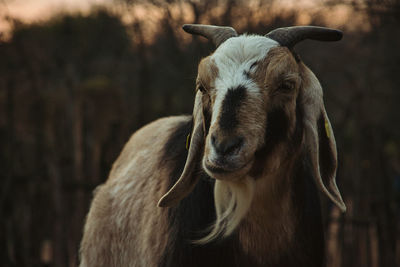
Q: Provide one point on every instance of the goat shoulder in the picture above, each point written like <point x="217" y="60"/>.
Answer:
<point x="124" y="227"/>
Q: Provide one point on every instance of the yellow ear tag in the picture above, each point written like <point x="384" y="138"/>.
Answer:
<point x="328" y="133"/>
<point x="187" y="141"/>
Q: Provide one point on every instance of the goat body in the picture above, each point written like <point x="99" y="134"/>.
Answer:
<point x="125" y="229"/>
<point x="245" y="192"/>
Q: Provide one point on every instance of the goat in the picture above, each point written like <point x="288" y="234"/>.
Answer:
<point x="244" y="189"/>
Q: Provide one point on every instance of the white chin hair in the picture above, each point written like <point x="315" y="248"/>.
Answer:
<point x="232" y="200"/>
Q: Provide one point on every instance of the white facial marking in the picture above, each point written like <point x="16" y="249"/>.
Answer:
<point x="235" y="57"/>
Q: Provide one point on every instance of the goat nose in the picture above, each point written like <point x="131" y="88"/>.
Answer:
<point x="227" y="145"/>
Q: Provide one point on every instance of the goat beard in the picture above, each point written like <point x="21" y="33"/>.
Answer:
<point x="232" y="201"/>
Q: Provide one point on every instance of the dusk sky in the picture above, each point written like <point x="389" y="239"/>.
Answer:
<point x="33" y="10"/>
<point x="39" y="10"/>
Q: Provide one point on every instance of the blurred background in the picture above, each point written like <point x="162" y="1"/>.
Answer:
<point x="78" y="77"/>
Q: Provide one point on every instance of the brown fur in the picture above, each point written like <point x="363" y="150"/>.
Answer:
<point x="123" y="217"/>
<point x="265" y="218"/>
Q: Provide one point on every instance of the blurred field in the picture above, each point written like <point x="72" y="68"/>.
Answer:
<point x="75" y="87"/>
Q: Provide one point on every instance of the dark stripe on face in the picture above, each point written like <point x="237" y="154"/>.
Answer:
<point x="277" y="131"/>
<point x="277" y="127"/>
<point x="230" y="107"/>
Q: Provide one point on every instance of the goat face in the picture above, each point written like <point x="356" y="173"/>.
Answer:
<point x="241" y="83"/>
<point x="248" y="93"/>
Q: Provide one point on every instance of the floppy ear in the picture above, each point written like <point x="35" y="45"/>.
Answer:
<point x="320" y="140"/>
<point x="188" y="180"/>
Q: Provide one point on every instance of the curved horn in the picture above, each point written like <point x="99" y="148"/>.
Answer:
<point x="290" y="36"/>
<point x="216" y="34"/>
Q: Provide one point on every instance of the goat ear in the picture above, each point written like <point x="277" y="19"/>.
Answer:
<point x="320" y="141"/>
<point x="188" y="180"/>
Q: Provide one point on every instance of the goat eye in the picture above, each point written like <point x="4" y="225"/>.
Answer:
<point x="201" y="88"/>
<point x="253" y="65"/>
